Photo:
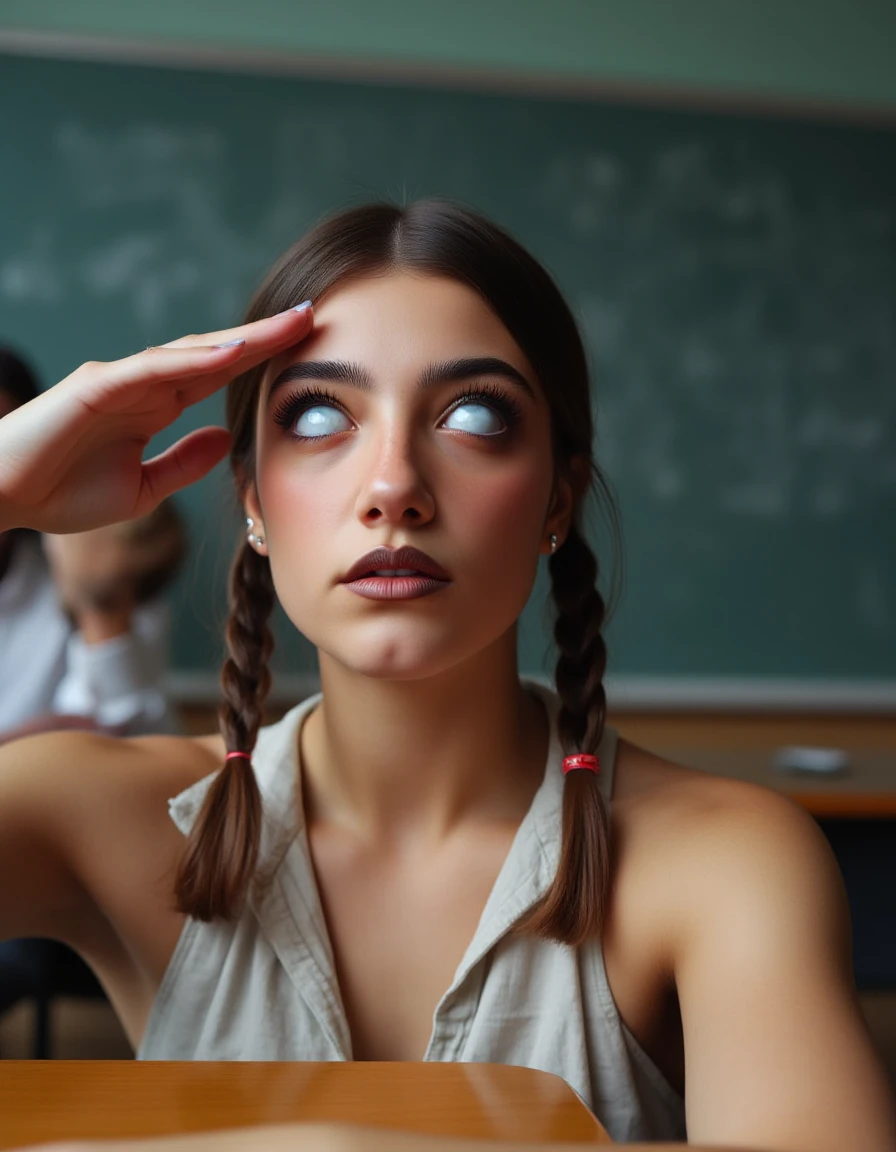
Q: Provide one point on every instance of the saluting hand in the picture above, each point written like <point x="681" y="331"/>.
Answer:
<point x="72" y="459"/>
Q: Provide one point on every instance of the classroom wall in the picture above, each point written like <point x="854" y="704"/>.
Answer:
<point x="830" y="51"/>
<point x="828" y="55"/>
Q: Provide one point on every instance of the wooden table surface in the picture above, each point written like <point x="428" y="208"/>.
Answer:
<point x="44" y="1100"/>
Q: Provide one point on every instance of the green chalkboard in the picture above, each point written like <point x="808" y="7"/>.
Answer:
<point x="734" y="275"/>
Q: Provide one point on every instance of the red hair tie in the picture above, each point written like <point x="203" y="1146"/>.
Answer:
<point x="581" y="760"/>
<point x="233" y="755"/>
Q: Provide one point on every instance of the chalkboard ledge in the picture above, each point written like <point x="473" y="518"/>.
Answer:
<point x="632" y="693"/>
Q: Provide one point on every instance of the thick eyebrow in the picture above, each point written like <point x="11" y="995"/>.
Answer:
<point x="444" y="372"/>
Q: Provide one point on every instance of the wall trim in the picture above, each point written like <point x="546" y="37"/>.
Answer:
<point x="431" y="74"/>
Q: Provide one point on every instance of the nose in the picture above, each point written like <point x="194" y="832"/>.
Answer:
<point x="394" y="490"/>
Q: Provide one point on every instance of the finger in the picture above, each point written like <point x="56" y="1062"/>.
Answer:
<point x="257" y="329"/>
<point x="264" y="339"/>
<point x="259" y="348"/>
<point x="211" y="365"/>
<point x="93" y="381"/>
<point x="183" y="463"/>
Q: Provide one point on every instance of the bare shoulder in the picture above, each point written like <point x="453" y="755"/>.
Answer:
<point x="124" y="793"/>
<point x="81" y="767"/>
<point x="690" y="818"/>
<point x="692" y="844"/>
<point x="90" y="813"/>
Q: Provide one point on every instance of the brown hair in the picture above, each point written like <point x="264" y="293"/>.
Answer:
<point x="438" y="238"/>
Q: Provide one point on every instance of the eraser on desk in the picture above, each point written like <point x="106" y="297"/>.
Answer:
<point x="817" y="761"/>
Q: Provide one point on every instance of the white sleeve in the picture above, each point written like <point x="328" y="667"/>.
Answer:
<point x="120" y="682"/>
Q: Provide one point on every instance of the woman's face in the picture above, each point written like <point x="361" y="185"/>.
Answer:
<point x="380" y="431"/>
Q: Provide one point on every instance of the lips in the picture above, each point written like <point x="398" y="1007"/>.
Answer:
<point x="405" y="560"/>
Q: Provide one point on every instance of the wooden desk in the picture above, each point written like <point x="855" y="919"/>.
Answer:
<point x="866" y="790"/>
<point x="741" y="745"/>
<point x="75" y="1099"/>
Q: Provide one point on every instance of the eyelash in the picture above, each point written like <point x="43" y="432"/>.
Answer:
<point x="292" y="407"/>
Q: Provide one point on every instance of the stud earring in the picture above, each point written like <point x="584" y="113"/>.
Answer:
<point x="251" y="536"/>
<point x="553" y="540"/>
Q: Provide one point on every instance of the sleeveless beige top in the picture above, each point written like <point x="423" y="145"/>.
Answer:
<point x="264" y="986"/>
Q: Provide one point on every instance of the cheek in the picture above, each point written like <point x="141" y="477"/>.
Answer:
<point x="299" y="507"/>
<point x="299" y="514"/>
<point x="507" y="508"/>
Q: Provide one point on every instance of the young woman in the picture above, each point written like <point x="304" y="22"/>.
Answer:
<point x="431" y="859"/>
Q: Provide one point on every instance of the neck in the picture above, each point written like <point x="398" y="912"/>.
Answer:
<point x="412" y="760"/>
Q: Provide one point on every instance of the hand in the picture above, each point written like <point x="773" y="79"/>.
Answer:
<point x="72" y="459"/>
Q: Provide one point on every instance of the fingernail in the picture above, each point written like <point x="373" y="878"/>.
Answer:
<point x="298" y="308"/>
<point x="230" y="343"/>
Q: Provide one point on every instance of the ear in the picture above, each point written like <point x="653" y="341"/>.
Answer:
<point x="252" y="508"/>
<point x="569" y="487"/>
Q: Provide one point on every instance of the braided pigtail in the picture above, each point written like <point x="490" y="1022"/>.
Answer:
<point x="222" y="849"/>
<point x="573" y="908"/>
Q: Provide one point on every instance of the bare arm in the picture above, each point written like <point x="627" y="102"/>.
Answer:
<point x="777" y="1053"/>
<point x="40" y="795"/>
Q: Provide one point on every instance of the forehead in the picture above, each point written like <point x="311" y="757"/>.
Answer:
<point x="402" y="321"/>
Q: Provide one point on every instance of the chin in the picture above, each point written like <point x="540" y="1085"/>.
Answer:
<point x="393" y="665"/>
<point x="399" y="658"/>
<point x="391" y="649"/>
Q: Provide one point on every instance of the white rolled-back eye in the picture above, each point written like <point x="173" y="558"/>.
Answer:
<point x="476" y="418"/>
<point x="322" y="420"/>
